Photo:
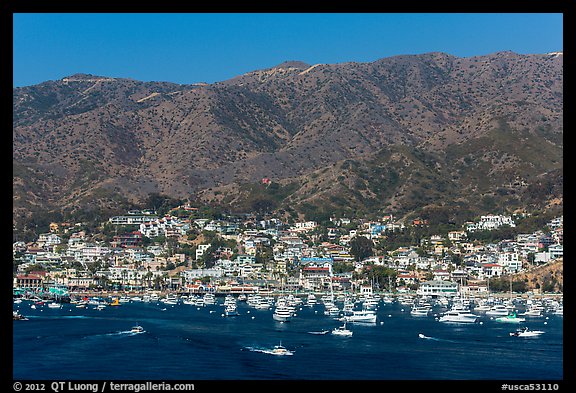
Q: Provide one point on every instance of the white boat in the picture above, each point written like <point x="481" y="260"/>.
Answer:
<point x="458" y="316"/>
<point x="331" y="309"/>
<point x="311" y="299"/>
<point x="559" y="311"/>
<point x="533" y="312"/>
<point x="280" y="350"/>
<point x="54" y="305"/>
<point x="342" y="331"/>
<point x="420" y="311"/>
<point x="388" y="299"/>
<point x="282" y="313"/>
<point x="526" y="333"/>
<point x="170" y="299"/>
<point x="230" y="310"/>
<point x="366" y="316"/>
<point x="498" y="310"/>
<point x="137" y="329"/>
<point x="209" y="298"/>
<point x="371" y="302"/>
<point x="18" y="317"/>
<point x="124" y="299"/>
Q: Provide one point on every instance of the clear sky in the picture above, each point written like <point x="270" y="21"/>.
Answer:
<point x="210" y="47"/>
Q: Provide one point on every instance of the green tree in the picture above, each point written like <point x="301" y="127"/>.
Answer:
<point x="361" y="247"/>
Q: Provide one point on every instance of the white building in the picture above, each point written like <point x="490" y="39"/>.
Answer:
<point x="490" y="222"/>
<point x="201" y="249"/>
<point x="437" y="288"/>
<point x="510" y="261"/>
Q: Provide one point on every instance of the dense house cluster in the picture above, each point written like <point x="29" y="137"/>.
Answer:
<point x="272" y="254"/>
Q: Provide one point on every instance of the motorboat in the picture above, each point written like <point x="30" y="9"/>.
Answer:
<point x="458" y="316"/>
<point x="311" y="299"/>
<point x="282" y="313"/>
<point x="231" y="310"/>
<point x="18" y="317"/>
<point x="533" y="312"/>
<point x="512" y="318"/>
<point x="54" y="305"/>
<point x="280" y="350"/>
<point x="342" y="331"/>
<point x="137" y="329"/>
<point x="498" y="310"/>
<point x="209" y="298"/>
<point x="367" y="316"/>
<point x="559" y="311"/>
<point x="525" y="332"/>
<point x="331" y="309"/>
<point x="420" y="311"/>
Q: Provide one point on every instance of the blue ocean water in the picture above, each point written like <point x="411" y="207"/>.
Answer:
<point x="186" y="342"/>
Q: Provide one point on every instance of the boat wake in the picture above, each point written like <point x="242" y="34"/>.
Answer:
<point x="420" y="335"/>
<point x="269" y="351"/>
<point x="120" y="333"/>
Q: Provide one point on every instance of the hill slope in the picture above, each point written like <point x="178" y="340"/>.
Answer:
<point x="401" y="133"/>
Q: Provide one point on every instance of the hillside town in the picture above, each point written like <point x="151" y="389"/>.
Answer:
<point x="182" y="252"/>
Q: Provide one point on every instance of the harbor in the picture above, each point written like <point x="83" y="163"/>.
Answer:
<point x="193" y="339"/>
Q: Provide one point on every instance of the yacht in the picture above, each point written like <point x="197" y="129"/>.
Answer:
<point x="559" y="311"/>
<point x="209" y="298"/>
<point x="137" y="329"/>
<point x="169" y="299"/>
<point x="497" y="310"/>
<point x="458" y="316"/>
<point x="230" y="310"/>
<point x="311" y="299"/>
<point x="331" y="309"/>
<point x="534" y="311"/>
<point x="482" y="307"/>
<point x="420" y="311"/>
<point x="367" y="316"/>
<point x="282" y="313"/>
<point x="371" y="302"/>
<point x="280" y="350"/>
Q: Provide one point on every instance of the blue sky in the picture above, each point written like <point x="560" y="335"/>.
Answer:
<point x="211" y="47"/>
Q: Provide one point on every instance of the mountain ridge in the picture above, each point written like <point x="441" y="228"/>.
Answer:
<point x="388" y="134"/>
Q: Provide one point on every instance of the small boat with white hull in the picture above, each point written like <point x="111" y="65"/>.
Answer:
<point x="18" y="317"/>
<point x="342" y="331"/>
<point x="280" y="350"/>
<point x="525" y="332"/>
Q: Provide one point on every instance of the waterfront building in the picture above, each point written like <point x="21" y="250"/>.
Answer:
<point x="435" y="288"/>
